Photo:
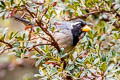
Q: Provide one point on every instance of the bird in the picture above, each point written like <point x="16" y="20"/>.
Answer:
<point x="68" y="33"/>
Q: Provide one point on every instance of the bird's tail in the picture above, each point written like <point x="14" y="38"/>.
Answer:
<point x="26" y="22"/>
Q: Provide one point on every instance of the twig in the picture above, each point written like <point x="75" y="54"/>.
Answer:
<point x="6" y="43"/>
<point x="41" y="44"/>
<point x="91" y="13"/>
<point x="44" y="12"/>
<point x="37" y="50"/>
<point x="4" y="50"/>
<point x="54" y="43"/>
<point x="95" y="75"/>
<point x="32" y="14"/>
<point x="40" y="24"/>
<point x="30" y="33"/>
<point x="22" y="20"/>
<point x="27" y="22"/>
<point x="38" y="45"/>
<point x="37" y="3"/>
<point x="44" y="38"/>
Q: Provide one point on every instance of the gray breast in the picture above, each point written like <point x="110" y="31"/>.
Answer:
<point x="64" y="39"/>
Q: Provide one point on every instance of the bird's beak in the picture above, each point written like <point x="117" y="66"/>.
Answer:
<point x="86" y="28"/>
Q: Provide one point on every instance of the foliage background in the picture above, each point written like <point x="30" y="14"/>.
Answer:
<point x="97" y="55"/>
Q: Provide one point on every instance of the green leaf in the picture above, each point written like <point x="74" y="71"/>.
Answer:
<point x="103" y="37"/>
<point x="89" y="44"/>
<point x="53" y="71"/>
<point x="103" y="67"/>
<point x="11" y="35"/>
<point x="3" y="37"/>
<point x="70" y="13"/>
<point x="53" y="29"/>
<point x="2" y="5"/>
<point x="97" y="60"/>
<point x="115" y="36"/>
<point x="11" y="1"/>
<point x="16" y="44"/>
<point x="113" y="53"/>
<point x="47" y="16"/>
<point x="103" y="57"/>
<point x="69" y="67"/>
<point x="50" y="14"/>
<point x="88" y="3"/>
<point x="23" y="1"/>
<point x="18" y="52"/>
<point x="37" y="63"/>
<point x="25" y="50"/>
<point x="71" y="6"/>
<point x="23" y="36"/>
<point x="46" y="48"/>
<point x="98" y="37"/>
<point x="19" y="38"/>
<point x="37" y="30"/>
<point x="90" y="34"/>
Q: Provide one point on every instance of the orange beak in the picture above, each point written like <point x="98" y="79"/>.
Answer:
<point x="86" y="28"/>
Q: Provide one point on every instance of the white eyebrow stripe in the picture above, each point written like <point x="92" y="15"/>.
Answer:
<point x="75" y="23"/>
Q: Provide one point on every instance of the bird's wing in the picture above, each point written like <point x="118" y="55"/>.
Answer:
<point x="64" y="25"/>
<point x="64" y="39"/>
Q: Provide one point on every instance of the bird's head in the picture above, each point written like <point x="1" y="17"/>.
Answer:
<point x="78" y="30"/>
<point x="82" y="25"/>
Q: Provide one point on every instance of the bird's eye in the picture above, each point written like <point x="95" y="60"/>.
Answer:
<point x="78" y="25"/>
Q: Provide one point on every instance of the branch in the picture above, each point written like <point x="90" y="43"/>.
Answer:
<point x="54" y="43"/>
<point x="38" y="45"/>
<point x="44" y="38"/>
<point x="10" y="46"/>
<point x="6" y="43"/>
<point x="31" y="14"/>
<point x="38" y="3"/>
<point x="22" y="20"/>
<point x="38" y="50"/>
<point x="2" y="51"/>
<point x="91" y="13"/>
<point x="40" y="24"/>
<point x="44" y="12"/>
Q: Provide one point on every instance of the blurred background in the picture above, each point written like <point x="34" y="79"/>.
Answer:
<point x="11" y="67"/>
